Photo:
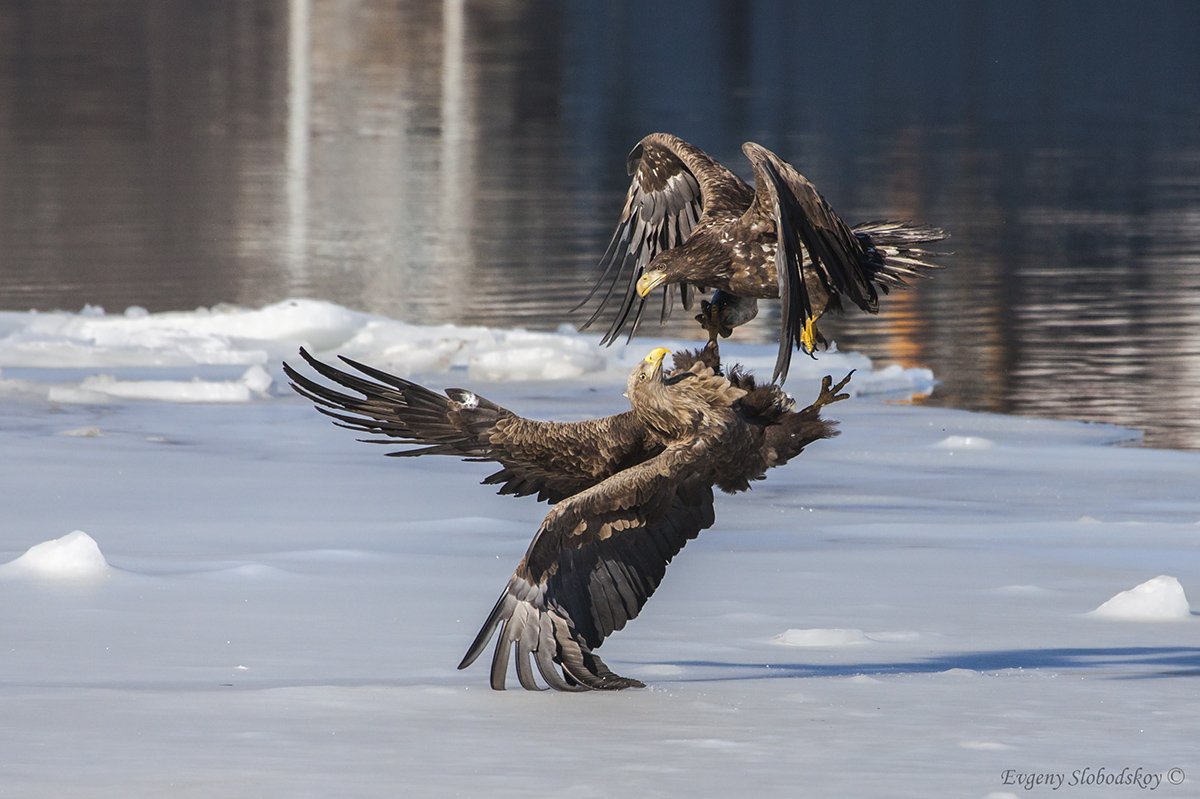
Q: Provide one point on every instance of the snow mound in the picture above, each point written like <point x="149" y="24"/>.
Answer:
<point x="965" y="442"/>
<point x="985" y="746"/>
<point x="75" y="556"/>
<point x="246" y="571"/>
<point x="821" y="637"/>
<point x="82" y="432"/>
<point x="1160" y="599"/>
<point x="1022" y="590"/>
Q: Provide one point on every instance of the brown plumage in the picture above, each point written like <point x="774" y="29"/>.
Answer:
<point x="628" y="491"/>
<point x="689" y="221"/>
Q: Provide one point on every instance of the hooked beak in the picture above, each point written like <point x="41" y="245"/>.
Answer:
<point x="655" y="358"/>
<point x="649" y="281"/>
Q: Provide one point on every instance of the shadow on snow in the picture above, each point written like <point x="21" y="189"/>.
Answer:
<point x="1145" y="662"/>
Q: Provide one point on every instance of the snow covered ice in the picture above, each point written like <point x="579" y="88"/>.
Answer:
<point x="272" y="609"/>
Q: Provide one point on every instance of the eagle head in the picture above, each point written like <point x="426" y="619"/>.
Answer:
<point x="652" y="279"/>
<point x="647" y="375"/>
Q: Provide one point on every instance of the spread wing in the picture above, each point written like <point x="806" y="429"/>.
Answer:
<point x="550" y="459"/>
<point x="839" y="263"/>
<point x="674" y="184"/>
<point x="594" y="562"/>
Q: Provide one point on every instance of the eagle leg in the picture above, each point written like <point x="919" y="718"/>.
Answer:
<point x="724" y="312"/>
<point x="808" y="337"/>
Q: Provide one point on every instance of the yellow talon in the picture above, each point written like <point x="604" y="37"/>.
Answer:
<point x="808" y="336"/>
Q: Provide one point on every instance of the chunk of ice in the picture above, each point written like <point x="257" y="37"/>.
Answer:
<point x="1160" y="599"/>
<point x="74" y="556"/>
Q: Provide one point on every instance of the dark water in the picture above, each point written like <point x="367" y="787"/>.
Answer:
<point x="465" y="163"/>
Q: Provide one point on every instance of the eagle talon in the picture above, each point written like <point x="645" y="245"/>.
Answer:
<point x="829" y="392"/>
<point x="809" y="337"/>
<point x="710" y="319"/>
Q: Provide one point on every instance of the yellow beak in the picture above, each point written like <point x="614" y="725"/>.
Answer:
<point x="657" y="354"/>
<point x="649" y="281"/>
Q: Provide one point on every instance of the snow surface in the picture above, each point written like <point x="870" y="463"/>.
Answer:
<point x="284" y="608"/>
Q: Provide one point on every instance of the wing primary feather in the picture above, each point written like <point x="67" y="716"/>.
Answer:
<point x="500" y="658"/>
<point x="607" y="261"/>
<point x="526" y="643"/>
<point x="618" y="261"/>
<point x="793" y="295"/>
<point x="500" y="611"/>
<point x="544" y="656"/>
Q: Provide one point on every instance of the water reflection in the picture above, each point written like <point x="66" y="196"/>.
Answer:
<point x="463" y="162"/>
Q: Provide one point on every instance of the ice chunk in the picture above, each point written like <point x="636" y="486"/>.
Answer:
<point x="74" y="556"/>
<point x="1160" y="599"/>
<point x="536" y="357"/>
<point x="254" y="383"/>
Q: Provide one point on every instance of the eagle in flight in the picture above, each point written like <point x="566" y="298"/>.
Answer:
<point x="627" y="491"/>
<point x="689" y="221"/>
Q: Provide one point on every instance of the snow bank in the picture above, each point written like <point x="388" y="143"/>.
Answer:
<point x="223" y="334"/>
<point x="184" y="348"/>
<point x="75" y="556"/>
<point x="1160" y="599"/>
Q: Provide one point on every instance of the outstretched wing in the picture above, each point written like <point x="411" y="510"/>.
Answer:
<point x="550" y="459"/>
<point x="594" y="562"/>
<point x="674" y="184"/>
<point x="840" y="264"/>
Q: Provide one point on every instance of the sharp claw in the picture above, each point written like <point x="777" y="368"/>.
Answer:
<point x="829" y="392"/>
<point x="842" y="384"/>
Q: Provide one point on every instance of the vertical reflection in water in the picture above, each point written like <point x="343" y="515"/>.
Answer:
<point x="299" y="94"/>
<point x="455" y="210"/>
